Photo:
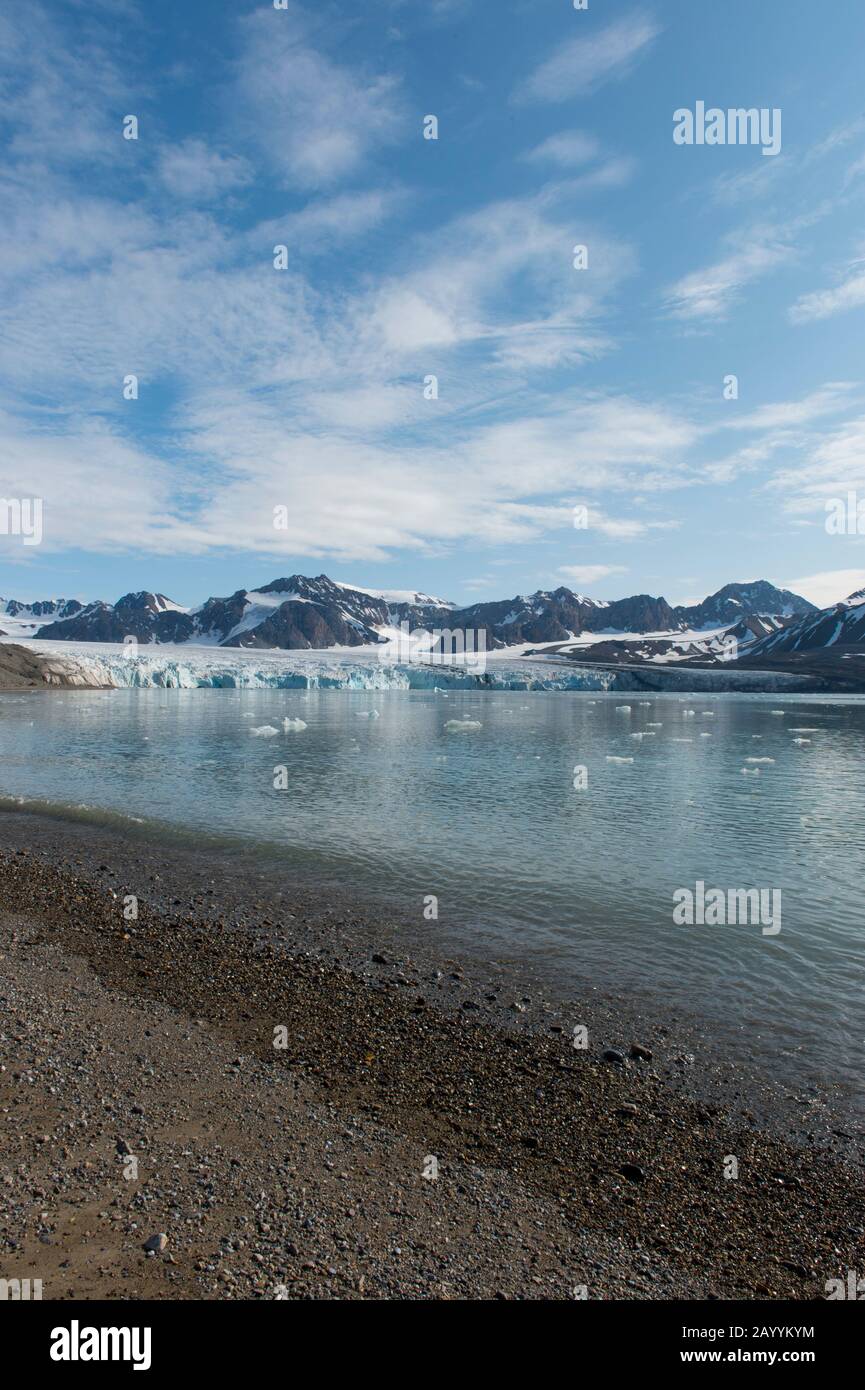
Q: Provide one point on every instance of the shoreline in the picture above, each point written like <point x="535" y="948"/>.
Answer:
<point x="302" y="1168"/>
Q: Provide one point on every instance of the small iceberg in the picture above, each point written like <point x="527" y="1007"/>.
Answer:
<point x="612" y="759"/>
<point x="293" y="726"/>
<point x="368" y="714"/>
<point x="759" y="760"/>
<point x="461" y="726"/>
<point x="264" y="731"/>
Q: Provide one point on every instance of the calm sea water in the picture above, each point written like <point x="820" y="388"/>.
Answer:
<point x="489" y="820"/>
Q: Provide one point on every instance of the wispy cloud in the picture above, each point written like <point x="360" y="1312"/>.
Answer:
<point x="824" y="304"/>
<point x="569" y="148"/>
<point x="710" y="293"/>
<point x="589" y="574"/>
<point x="193" y="172"/>
<point x="61" y="100"/>
<point x="830" y="468"/>
<point x="315" y="120"/>
<point x="587" y="61"/>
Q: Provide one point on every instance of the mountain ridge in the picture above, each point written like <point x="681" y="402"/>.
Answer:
<point x="299" y="611"/>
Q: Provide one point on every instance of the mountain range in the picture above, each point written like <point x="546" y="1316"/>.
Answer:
<point x="304" y="612"/>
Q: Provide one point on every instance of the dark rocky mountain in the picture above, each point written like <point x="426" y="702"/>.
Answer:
<point x="554" y="616"/>
<point x="292" y="612"/>
<point x="735" y="601"/>
<point x="301" y="612"/>
<point x="840" y="627"/>
<point x="145" y="616"/>
<point x="304" y="612"/>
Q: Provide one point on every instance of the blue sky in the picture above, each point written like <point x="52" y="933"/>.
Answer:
<point x="302" y="388"/>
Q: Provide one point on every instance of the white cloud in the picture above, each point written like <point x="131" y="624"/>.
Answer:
<point x="314" y="120"/>
<point x="827" y="587"/>
<point x="711" y="291"/>
<point x="585" y="62"/>
<point x="832" y="467"/>
<point x="325" y="221"/>
<point x="99" y="492"/>
<point x="195" y="173"/>
<point x="823" y="304"/>
<point x="588" y="574"/>
<point x="569" y="148"/>
<point x="828" y="399"/>
<point x="470" y="281"/>
<point x="62" y="98"/>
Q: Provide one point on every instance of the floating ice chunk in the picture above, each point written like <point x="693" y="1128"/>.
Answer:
<point x="635" y="735"/>
<point x="368" y="714"/>
<point x="803" y="729"/>
<point x="777" y="711"/>
<point x="801" y="741"/>
<point x="759" y="760"/>
<point x="462" y="726"/>
<point x="751" y="771"/>
<point x="654" y="725"/>
<point x="612" y="759"/>
<point x="688" y="713"/>
<point x="623" y="709"/>
<point x="264" y="731"/>
<point x="682" y="740"/>
<point x="293" y="726"/>
<point x="708" y="713"/>
<point x="248" y="715"/>
<point x="705" y="736"/>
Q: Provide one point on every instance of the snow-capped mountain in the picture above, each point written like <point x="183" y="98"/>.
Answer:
<point x="737" y="601"/>
<point x="842" y="625"/>
<point x="23" y="619"/>
<point x="303" y="612"/>
<point x="48" y="607"/>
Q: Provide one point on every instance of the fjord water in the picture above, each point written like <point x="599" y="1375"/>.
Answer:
<point x="523" y="863"/>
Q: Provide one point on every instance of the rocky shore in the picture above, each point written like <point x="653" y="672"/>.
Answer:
<point x="209" y="1091"/>
<point x="23" y="668"/>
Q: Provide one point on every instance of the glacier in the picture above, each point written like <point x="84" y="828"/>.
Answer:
<point x="115" y="666"/>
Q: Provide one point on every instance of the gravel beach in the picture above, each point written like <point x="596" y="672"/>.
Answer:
<point x="232" y="1095"/>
